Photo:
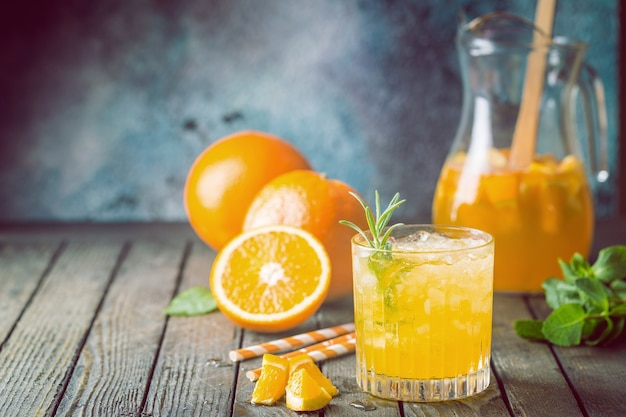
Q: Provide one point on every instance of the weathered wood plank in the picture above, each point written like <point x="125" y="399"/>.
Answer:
<point x="193" y="376"/>
<point x="21" y="269"/>
<point x="78" y="343"/>
<point x="91" y="231"/>
<point x="115" y="365"/>
<point x="597" y="374"/>
<point x="37" y="358"/>
<point x="528" y="370"/>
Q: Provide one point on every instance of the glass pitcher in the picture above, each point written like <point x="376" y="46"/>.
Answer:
<point x="541" y="210"/>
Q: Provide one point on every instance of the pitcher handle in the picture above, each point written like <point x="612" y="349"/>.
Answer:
<point x="594" y="109"/>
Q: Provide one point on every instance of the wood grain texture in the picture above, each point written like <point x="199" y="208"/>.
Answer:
<point x="528" y="370"/>
<point x="22" y="267"/>
<point x="40" y="354"/>
<point x="109" y="231"/>
<point x="597" y="374"/>
<point x="115" y="366"/>
<point x="193" y="376"/>
<point x="84" y="335"/>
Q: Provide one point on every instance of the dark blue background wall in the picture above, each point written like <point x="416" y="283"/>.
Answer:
<point x="105" y="104"/>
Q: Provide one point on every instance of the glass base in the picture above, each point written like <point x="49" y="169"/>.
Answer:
<point x="423" y="390"/>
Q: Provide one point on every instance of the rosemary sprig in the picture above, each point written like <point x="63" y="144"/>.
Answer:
<point x="377" y="221"/>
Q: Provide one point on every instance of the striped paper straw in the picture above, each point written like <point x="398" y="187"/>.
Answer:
<point x="318" y="352"/>
<point x="290" y="342"/>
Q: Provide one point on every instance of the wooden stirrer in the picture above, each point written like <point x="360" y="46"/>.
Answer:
<point x="525" y="134"/>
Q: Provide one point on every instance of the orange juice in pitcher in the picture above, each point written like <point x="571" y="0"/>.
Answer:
<point x="542" y="210"/>
<point x="538" y="214"/>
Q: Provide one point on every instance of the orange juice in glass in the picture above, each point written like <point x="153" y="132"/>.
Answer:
<point x="423" y="311"/>
<point x="537" y="214"/>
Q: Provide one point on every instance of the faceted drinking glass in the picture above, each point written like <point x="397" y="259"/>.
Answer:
<point x="423" y="313"/>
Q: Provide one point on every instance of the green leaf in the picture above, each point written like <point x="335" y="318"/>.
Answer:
<point x="376" y="221"/>
<point x="578" y="267"/>
<point x="604" y="330"/>
<point x="551" y="292"/>
<point x="619" y="310"/>
<point x="569" y="273"/>
<point x="589" y="303"/>
<point x="388" y="271"/>
<point x="619" y="288"/>
<point x="618" y="328"/>
<point x="564" y="326"/>
<point x="529" y="329"/>
<point x="611" y="264"/>
<point x="559" y="292"/>
<point x="594" y="291"/>
<point x="192" y="302"/>
<point x="358" y="229"/>
<point x="593" y="327"/>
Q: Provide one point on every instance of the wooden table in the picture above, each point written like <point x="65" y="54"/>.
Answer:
<point x="82" y="334"/>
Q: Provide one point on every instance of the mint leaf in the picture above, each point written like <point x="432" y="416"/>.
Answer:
<point x="593" y="291"/>
<point x="589" y="303"/>
<point x="564" y="326"/>
<point x="559" y="292"/>
<point x="611" y="264"/>
<point x="619" y="288"/>
<point x="618" y="328"/>
<point x="192" y="302"/>
<point x="593" y="328"/>
<point x="569" y="272"/>
<point x="529" y="329"/>
<point x="619" y="310"/>
<point x="550" y="288"/>
<point x="604" y="330"/>
<point x="578" y="267"/>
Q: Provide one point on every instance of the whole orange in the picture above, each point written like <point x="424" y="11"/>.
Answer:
<point x="310" y="201"/>
<point x="226" y="176"/>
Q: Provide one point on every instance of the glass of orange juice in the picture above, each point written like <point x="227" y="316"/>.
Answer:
<point x="423" y="313"/>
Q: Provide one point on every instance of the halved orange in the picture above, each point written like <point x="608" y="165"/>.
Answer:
<point x="271" y="279"/>
<point x="271" y="384"/>
<point x="303" y="393"/>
